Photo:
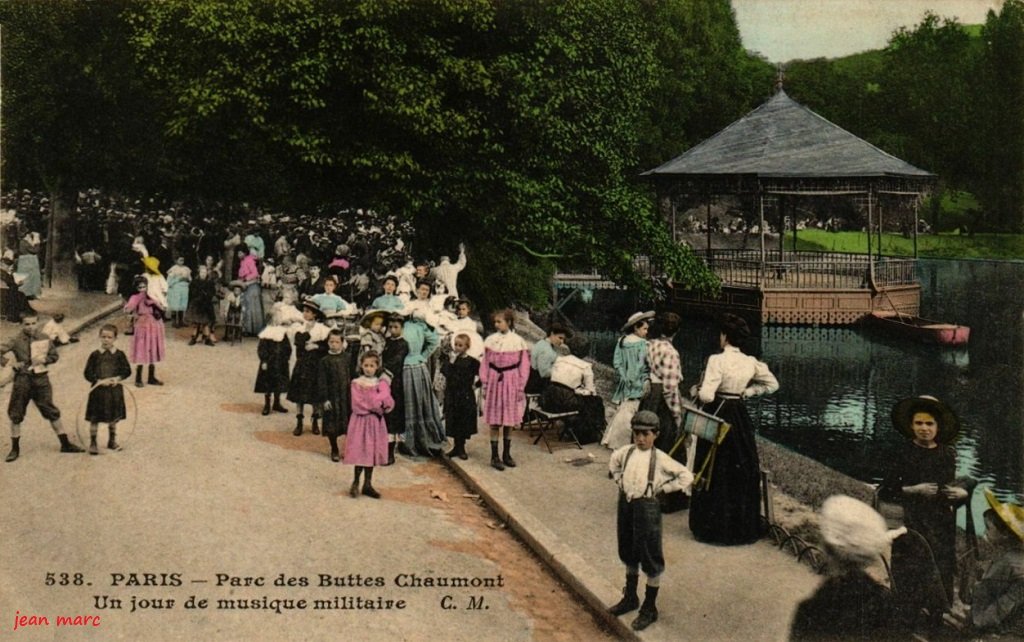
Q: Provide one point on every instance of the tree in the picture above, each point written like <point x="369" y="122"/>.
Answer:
<point x="703" y="79"/>
<point x="927" y="88"/>
<point x="74" y="112"/>
<point x="1001" y="114"/>
<point x="513" y="125"/>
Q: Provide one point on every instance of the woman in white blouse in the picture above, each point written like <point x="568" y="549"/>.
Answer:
<point x="728" y="511"/>
<point x="572" y="390"/>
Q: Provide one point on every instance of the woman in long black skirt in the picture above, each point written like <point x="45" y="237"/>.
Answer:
<point x="728" y="510"/>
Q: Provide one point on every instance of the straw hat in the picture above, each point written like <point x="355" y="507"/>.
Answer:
<point x="636" y="318"/>
<point x="152" y="264"/>
<point x="853" y="530"/>
<point x="903" y="413"/>
<point x="370" y="315"/>
<point x="1011" y="514"/>
<point x="645" y="420"/>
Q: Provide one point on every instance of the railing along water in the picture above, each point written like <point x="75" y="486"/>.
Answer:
<point x="797" y="270"/>
<point x="806" y="270"/>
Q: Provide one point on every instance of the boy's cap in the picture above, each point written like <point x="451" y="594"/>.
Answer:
<point x="645" y="420"/>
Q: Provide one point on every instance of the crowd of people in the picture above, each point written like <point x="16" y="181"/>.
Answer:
<point x="291" y="251"/>
<point x="387" y="358"/>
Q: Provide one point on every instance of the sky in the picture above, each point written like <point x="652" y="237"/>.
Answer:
<point x="784" y="30"/>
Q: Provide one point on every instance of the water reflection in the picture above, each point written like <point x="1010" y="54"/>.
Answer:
<point x="839" y="384"/>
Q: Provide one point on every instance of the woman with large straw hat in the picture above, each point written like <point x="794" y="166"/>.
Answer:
<point x="998" y="604"/>
<point x="631" y="378"/>
<point x="922" y="478"/>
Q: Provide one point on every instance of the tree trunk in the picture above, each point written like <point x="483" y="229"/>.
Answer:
<point x="61" y="242"/>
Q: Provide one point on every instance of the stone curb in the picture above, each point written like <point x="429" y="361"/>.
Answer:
<point x="75" y="326"/>
<point x="572" y="569"/>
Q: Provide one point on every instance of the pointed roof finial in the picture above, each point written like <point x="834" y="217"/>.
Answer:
<point x="780" y="76"/>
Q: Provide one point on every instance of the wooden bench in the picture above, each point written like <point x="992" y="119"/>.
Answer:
<point x="542" y="421"/>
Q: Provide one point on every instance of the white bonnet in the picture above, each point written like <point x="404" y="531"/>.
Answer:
<point x="853" y="530"/>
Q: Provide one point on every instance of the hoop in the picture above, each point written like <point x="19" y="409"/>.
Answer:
<point x="123" y="437"/>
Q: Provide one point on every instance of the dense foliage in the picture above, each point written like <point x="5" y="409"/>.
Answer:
<point x="517" y="127"/>
<point x="945" y="98"/>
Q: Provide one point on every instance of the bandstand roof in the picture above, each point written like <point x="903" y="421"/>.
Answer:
<point x="784" y="146"/>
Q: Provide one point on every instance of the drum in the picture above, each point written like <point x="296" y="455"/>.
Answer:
<point x="703" y="425"/>
<point x="709" y="427"/>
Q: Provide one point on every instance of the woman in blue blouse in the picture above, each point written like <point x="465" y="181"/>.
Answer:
<point x="632" y="373"/>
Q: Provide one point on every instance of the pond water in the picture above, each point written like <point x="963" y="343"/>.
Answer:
<point x="838" y="385"/>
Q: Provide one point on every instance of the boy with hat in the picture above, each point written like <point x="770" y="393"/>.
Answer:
<point x="642" y="473"/>
<point x="998" y="603"/>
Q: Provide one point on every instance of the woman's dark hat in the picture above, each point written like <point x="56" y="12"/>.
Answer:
<point x="314" y="306"/>
<point x="645" y="420"/>
<point x="636" y="318"/>
<point x="903" y="414"/>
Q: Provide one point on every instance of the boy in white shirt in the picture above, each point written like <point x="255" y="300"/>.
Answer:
<point x="642" y="473"/>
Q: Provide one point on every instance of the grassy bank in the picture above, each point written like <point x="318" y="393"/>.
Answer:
<point x="939" y="246"/>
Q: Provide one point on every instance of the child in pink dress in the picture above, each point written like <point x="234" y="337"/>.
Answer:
<point x="504" y="370"/>
<point x="366" y="440"/>
<point x="148" y="340"/>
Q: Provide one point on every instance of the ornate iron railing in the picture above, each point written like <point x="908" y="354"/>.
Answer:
<point x="798" y="270"/>
<point x="807" y="269"/>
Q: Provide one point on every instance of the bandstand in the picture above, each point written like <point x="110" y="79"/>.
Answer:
<point x="777" y="156"/>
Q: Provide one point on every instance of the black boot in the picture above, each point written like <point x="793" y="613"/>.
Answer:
<point x="298" y="425"/>
<point x="460" y="449"/>
<point x="266" y="405"/>
<point x="112" y="440"/>
<point x="648" y="612"/>
<point x="495" y="460"/>
<point x="368" y="488"/>
<point x="316" y="425"/>
<point x="153" y="381"/>
<point x="507" y="458"/>
<point x="67" y="447"/>
<point x="629" y="601"/>
<point x="353" y="490"/>
<point x="93" y="448"/>
<point x="15" y="449"/>
<point x="195" y="339"/>
<point x="138" y="376"/>
<point x="277" y="407"/>
<point x="391" y="453"/>
<point x="335" y="455"/>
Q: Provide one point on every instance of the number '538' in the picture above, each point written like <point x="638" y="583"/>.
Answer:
<point x="64" y="579"/>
